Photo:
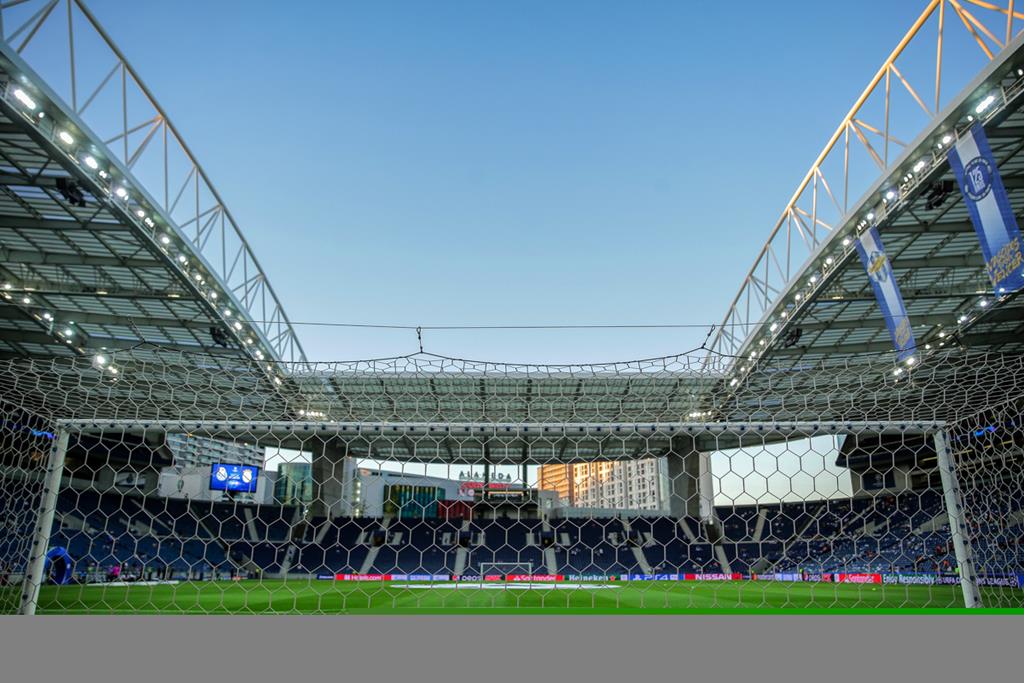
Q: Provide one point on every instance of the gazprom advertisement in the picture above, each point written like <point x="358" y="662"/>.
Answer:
<point x="234" y="478"/>
<point x="986" y="200"/>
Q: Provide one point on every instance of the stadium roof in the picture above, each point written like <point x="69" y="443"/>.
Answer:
<point x="825" y="307"/>
<point x="936" y="256"/>
<point x="83" y="269"/>
<point x="90" y="260"/>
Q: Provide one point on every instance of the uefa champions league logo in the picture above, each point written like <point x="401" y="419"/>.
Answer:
<point x="977" y="178"/>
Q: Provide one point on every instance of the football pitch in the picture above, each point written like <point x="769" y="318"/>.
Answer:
<point x="637" y="597"/>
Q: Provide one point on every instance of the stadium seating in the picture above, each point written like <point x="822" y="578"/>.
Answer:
<point x="176" y="538"/>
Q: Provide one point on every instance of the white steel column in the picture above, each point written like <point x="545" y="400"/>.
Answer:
<point x="706" y="489"/>
<point x="44" y="522"/>
<point x="957" y="524"/>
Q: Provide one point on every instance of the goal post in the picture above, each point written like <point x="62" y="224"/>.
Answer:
<point x="44" y="522"/>
<point x="958" y="527"/>
<point x="488" y="570"/>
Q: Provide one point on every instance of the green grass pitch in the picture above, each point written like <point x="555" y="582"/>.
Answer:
<point x="301" y="596"/>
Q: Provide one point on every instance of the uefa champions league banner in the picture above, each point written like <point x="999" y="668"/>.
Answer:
<point x="990" y="210"/>
<point x="887" y="291"/>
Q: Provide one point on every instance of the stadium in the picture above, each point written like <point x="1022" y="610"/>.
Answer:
<point x="849" y="437"/>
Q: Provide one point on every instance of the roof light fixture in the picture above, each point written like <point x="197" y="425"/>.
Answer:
<point x="23" y="97"/>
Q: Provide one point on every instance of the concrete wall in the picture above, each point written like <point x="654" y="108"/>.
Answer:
<point x="901" y="475"/>
<point x="372" y="488"/>
<point x="690" y="484"/>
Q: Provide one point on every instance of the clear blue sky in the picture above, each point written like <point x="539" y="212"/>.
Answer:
<point x="506" y="163"/>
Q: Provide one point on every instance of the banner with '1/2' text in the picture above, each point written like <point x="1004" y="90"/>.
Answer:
<point x="989" y="207"/>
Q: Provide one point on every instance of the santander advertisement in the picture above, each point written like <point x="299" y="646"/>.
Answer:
<point x="858" y="578"/>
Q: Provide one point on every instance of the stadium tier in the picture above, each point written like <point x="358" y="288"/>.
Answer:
<point x="116" y="536"/>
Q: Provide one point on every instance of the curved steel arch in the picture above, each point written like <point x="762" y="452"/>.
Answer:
<point x="190" y="213"/>
<point x="819" y="209"/>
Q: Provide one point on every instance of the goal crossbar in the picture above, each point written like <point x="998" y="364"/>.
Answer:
<point x="496" y="429"/>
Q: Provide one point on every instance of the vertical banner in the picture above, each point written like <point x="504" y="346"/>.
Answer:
<point x="989" y="207"/>
<point x="887" y="291"/>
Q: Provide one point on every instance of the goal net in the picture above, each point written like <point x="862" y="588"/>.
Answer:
<point x="186" y="483"/>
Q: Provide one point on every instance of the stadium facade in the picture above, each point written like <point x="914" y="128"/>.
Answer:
<point x="294" y="483"/>
<point x="626" y="485"/>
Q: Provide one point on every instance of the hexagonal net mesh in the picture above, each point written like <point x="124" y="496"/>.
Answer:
<point x="152" y="481"/>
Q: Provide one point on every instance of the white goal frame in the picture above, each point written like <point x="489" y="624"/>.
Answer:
<point x="484" y="571"/>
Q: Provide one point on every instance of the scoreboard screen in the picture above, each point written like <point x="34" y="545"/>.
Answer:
<point x="233" y="478"/>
